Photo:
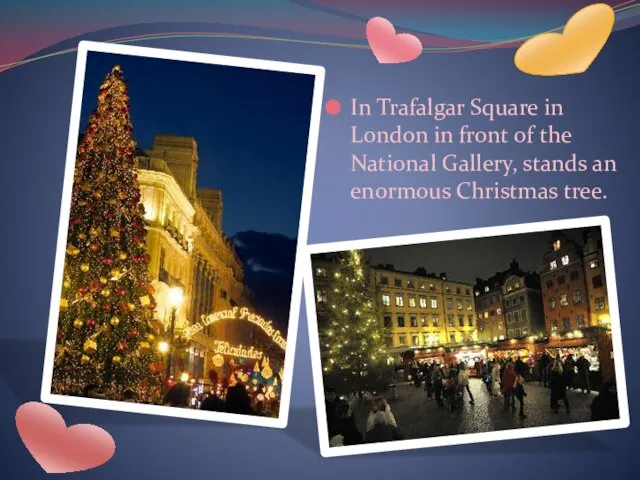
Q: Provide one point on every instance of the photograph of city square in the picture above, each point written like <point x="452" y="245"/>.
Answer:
<point x="182" y="236"/>
<point x="464" y="337"/>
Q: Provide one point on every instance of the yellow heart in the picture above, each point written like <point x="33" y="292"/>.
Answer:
<point x="571" y="51"/>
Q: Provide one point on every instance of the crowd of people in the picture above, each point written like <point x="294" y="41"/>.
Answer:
<point x="234" y="399"/>
<point x="448" y="385"/>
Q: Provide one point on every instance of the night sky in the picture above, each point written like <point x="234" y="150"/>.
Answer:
<point x="465" y="260"/>
<point x="251" y="127"/>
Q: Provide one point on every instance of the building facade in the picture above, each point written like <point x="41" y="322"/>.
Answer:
<point x="523" y="306"/>
<point x="417" y="309"/>
<point x="490" y="309"/>
<point x="189" y="250"/>
<point x="564" y="287"/>
<point x="596" y="279"/>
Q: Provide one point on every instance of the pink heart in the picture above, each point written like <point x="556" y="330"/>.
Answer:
<point x="59" y="449"/>
<point x="389" y="47"/>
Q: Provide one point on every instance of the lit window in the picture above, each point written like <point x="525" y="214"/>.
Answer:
<point x="415" y="339"/>
<point x="321" y="272"/>
<point x="594" y="263"/>
<point x="436" y="320"/>
<point x="321" y="296"/>
<point x="486" y="289"/>
<point x="552" y="303"/>
<point x="563" y="300"/>
<point x="421" y="285"/>
<point x="556" y="245"/>
<point x="565" y="260"/>
<point x="413" y="320"/>
<point x="477" y="293"/>
<point x="580" y="321"/>
<point x="600" y="303"/>
<point x="423" y="302"/>
<point x="402" y="339"/>
<point x="412" y="301"/>
<point x="434" y="302"/>
<point x="459" y="305"/>
<point x="423" y="321"/>
<point x="386" y="300"/>
<point x="577" y="297"/>
<point x="486" y="314"/>
<point x="553" y="265"/>
<point x="399" y="301"/>
<point x="499" y="311"/>
<point x="410" y="284"/>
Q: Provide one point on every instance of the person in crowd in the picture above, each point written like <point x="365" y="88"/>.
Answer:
<point x="605" y="405"/>
<point x="437" y="377"/>
<point x="463" y="382"/>
<point x="495" y="379"/>
<point x="212" y="403"/>
<point x="543" y="369"/>
<point x="520" y="367"/>
<point x="379" y="404"/>
<point x="583" y="365"/>
<point x="129" y="396"/>
<point x="331" y="401"/>
<point x="382" y="430"/>
<point x="569" y="371"/>
<point x="509" y="386"/>
<point x="520" y="393"/>
<point x="557" y="382"/>
<point x="344" y="424"/>
<point x="450" y="376"/>
<point x="238" y="400"/>
<point x="413" y="371"/>
<point x="177" y="396"/>
<point x="428" y="379"/>
<point x="503" y="365"/>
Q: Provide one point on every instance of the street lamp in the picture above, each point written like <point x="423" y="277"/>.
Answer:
<point x="163" y="347"/>
<point x="175" y="299"/>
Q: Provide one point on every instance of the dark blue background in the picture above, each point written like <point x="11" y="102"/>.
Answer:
<point x="603" y="106"/>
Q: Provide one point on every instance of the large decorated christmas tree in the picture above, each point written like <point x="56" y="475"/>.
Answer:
<point x="356" y="355"/>
<point x="106" y="327"/>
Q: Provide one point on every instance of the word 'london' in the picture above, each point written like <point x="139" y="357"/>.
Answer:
<point x="239" y="314"/>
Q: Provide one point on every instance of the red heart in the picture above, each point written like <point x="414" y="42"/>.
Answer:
<point x="389" y="47"/>
<point x="59" y="449"/>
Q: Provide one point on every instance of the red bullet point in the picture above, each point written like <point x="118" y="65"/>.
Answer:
<point x="332" y="107"/>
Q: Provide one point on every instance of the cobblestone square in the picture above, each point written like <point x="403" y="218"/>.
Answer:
<point x="419" y="417"/>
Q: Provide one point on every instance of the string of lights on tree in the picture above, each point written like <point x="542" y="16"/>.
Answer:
<point x="106" y="330"/>
<point x="355" y="341"/>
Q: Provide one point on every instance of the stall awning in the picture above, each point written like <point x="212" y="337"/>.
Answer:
<point x="568" y="343"/>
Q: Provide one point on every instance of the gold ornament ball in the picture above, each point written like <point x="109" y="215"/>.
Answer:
<point x="105" y="292"/>
<point x="115" y="272"/>
<point x="66" y="284"/>
<point x="103" y="280"/>
<point x="114" y="232"/>
<point x="122" y="256"/>
<point x="114" y="321"/>
<point x="144" y="346"/>
<point x="116" y="359"/>
<point x="267" y="372"/>
<point x="84" y="359"/>
<point x="151" y="337"/>
<point x="84" y="267"/>
<point x="78" y="323"/>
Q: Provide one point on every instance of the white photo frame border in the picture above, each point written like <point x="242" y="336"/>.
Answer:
<point x="467" y="438"/>
<point x="84" y="48"/>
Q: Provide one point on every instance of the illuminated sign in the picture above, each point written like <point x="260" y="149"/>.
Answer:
<point x="237" y="313"/>
<point x="225" y="348"/>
